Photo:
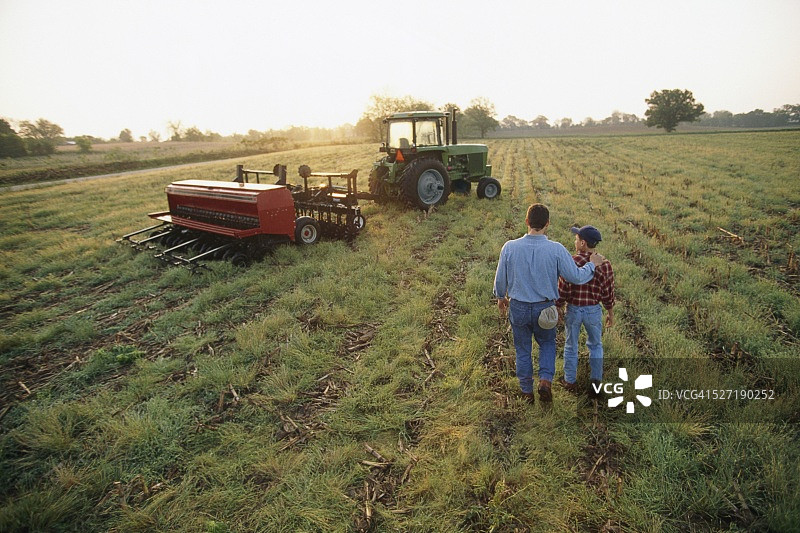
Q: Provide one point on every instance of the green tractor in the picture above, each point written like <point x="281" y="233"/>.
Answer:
<point x="424" y="162"/>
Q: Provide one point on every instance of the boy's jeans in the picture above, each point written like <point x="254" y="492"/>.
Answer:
<point x="591" y="317"/>
<point x="524" y="319"/>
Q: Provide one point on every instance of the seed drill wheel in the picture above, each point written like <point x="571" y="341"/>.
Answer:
<point x="239" y="260"/>
<point x="306" y="231"/>
<point x="489" y="188"/>
<point x="425" y="183"/>
<point x="358" y="223"/>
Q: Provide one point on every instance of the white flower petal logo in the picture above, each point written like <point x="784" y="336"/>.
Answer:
<point x="644" y="381"/>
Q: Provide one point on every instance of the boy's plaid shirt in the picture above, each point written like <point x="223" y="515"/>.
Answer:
<point x="599" y="290"/>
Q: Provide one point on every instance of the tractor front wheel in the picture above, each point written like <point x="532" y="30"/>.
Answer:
<point x="488" y="188"/>
<point x="306" y="231"/>
<point x="425" y="183"/>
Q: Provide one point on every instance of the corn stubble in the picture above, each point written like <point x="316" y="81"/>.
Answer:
<point x="370" y="387"/>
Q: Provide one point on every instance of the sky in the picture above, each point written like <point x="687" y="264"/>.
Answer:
<point x="95" y="67"/>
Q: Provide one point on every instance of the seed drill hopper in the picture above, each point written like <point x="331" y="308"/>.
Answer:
<point x="241" y="220"/>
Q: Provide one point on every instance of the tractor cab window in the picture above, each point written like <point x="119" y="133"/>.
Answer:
<point x="427" y="133"/>
<point x="401" y="134"/>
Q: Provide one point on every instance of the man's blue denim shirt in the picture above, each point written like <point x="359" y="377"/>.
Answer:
<point x="529" y="268"/>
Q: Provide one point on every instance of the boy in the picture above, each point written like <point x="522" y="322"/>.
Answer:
<point x="584" y="309"/>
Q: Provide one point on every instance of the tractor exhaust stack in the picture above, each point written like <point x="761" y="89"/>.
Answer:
<point x="455" y="127"/>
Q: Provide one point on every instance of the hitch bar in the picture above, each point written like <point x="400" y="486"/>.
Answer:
<point x="209" y="252"/>
<point x="191" y="261"/>
<point x="178" y="247"/>
<point x="129" y="235"/>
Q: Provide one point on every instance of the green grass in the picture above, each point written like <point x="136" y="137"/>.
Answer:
<point x="244" y="400"/>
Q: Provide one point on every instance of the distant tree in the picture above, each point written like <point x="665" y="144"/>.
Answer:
<point x="212" y="136"/>
<point x="791" y="112"/>
<point x="448" y="108"/>
<point x="382" y="106"/>
<point x="723" y="118"/>
<point x="193" y="134"/>
<point x="513" y="123"/>
<point x="345" y="131"/>
<point x="540" y="123"/>
<point x="565" y="123"/>
<point x="174" y="126"/>
<point x="125" y="136"/>
<point x="612" y="120"/>
<point x="589" y="122"/>
<point x="154" y="136"/>
<point x="718" y="119"/>
<point x="756" y="118"/>
<point x="479" y="116"/>
<point x="11" y="145"/>
<point x="142" y="139"/>
<point x="41" y="137"/>
<point x="84" y="143"/>
<point x="365" y="128"/>
<point x="5" y="128"/>
<point x="628" y="118"/>
<point x="42" y="129"/>
<point x="255" y="135"/>
<point x="668" y="108"/>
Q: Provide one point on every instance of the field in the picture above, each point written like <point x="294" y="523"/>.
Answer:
<point x="370" y="386"/>
<point x="68" y="162"/>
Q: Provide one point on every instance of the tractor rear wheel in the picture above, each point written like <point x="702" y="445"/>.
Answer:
<point x="425" y="183"/>
<point x="488" y="188"/>
<point x="306" y="231"/>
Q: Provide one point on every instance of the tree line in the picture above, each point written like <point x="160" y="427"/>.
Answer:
<point x="666" y="109"/>
<point x="785" y="116"/>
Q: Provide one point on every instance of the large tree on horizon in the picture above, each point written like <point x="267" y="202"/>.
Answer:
<point x="668" y="108"/>
<point x="41" y="136"/>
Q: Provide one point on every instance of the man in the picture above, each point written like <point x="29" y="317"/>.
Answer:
<point x="526" y="285"/>
<point x="584" y="309"/>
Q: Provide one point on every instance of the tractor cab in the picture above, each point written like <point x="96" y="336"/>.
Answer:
<point x="410" y="133"/>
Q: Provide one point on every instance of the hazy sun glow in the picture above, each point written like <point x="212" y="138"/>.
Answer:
<point x="96" y="67"/>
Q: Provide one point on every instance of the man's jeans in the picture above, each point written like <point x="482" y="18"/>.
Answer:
<point x="591" y="318"/>
<point x="524" y="319"/>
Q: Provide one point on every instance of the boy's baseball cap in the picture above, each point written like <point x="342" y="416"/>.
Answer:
<point x="587" y="233"/>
